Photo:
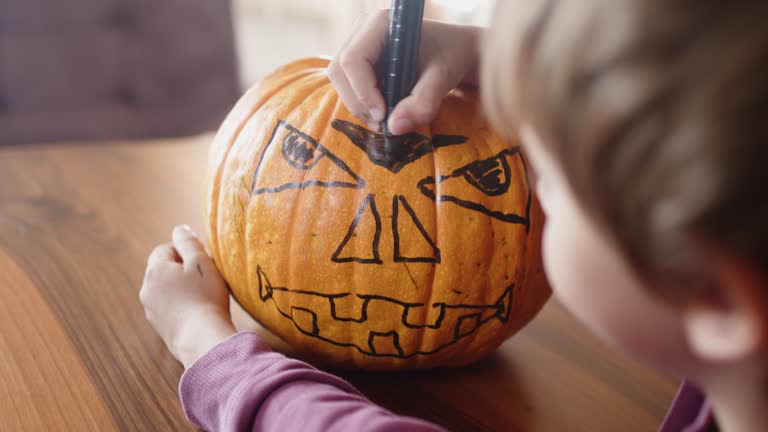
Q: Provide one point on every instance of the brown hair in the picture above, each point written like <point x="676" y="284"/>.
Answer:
<point x="657" y="111"/>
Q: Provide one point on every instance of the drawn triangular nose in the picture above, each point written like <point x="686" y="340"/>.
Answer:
<point x="361" y="242"/>
<point x="412" y="240"/>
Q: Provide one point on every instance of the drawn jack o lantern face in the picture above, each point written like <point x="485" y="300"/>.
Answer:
<point x="365" y="250"/>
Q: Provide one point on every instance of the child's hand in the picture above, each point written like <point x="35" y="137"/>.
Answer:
<point x="185" y="298"/>
<point x="448" y="56"/>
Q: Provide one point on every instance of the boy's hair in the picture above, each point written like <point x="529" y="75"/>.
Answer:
<point x="657" y="111"/>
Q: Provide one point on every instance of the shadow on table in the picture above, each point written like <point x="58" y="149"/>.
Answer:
<point x="413" y="393"/>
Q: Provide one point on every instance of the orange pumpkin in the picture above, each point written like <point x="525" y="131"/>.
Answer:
<point x="420" y="252"/>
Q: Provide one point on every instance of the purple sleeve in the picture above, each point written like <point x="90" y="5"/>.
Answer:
<point x="691" y="411"/>
<point x="241" y="385"/>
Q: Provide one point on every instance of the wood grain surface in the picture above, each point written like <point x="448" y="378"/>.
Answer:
<point x="76" y="224"/>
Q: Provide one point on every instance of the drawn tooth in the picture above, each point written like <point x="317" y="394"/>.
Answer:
<point x="420" y="316"/>
<point x="305" y="320"/>
<point x="467" y="324"/>
<point x="385" y="343"/>
<point x="504" y="305"/>
<point x="349" y="307"/>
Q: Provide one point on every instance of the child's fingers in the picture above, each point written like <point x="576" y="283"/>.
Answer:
<point x="362" y="80"/>
<point x="358" y="60"/>
<point x="340" y="81"/>
<point x="346" y="93"/>
<point x="160" y="257"/>
<point x="162" y="253"/>
<point x="352" y="71"/>
<point x="188" y="246"/>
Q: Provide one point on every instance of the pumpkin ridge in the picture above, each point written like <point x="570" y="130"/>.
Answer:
<point x="315" y="85"/>
<point x="338" y="109"/>
<point x="435" y="236"/>
<point x="249" y="271"/>
<point x="252" y="107"/>
<point x="322" y="87"/>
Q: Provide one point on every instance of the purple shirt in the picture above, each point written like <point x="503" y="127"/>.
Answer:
<point x="242" y="385"/>
<point x="690" y="412"/>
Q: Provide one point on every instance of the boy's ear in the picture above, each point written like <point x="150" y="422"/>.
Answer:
<point x="735" y="326"/>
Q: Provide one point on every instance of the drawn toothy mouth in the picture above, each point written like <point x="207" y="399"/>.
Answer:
<point x="460" y="320"/>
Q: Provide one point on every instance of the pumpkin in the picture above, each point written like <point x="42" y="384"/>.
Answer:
<point x="366" y="251"/>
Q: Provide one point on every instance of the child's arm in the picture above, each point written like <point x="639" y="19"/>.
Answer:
<point x="233" y="381"/>
<point x="241" y="386"/>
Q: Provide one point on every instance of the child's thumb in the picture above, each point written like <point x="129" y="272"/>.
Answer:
<point x="422" y="105"/>
<point x="187" y="244"/>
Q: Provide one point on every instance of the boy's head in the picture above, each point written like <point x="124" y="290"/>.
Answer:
<point x="647" y="124"/>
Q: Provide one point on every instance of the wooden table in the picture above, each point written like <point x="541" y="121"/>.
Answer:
<point x="76" y="224"/>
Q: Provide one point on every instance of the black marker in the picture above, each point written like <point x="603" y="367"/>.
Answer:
<point x="402" y="53"/>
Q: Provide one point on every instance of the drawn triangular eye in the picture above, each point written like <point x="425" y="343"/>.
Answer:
<point x="301" y="163"/>
<point x="300" y="150"/>
<point x="491" y="176"/>
<point x="495" y="181"/>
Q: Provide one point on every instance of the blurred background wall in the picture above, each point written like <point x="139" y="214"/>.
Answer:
<point x="272" y="32"/>
<point x="78" y="70"/>
<point x="100" y="69"/>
